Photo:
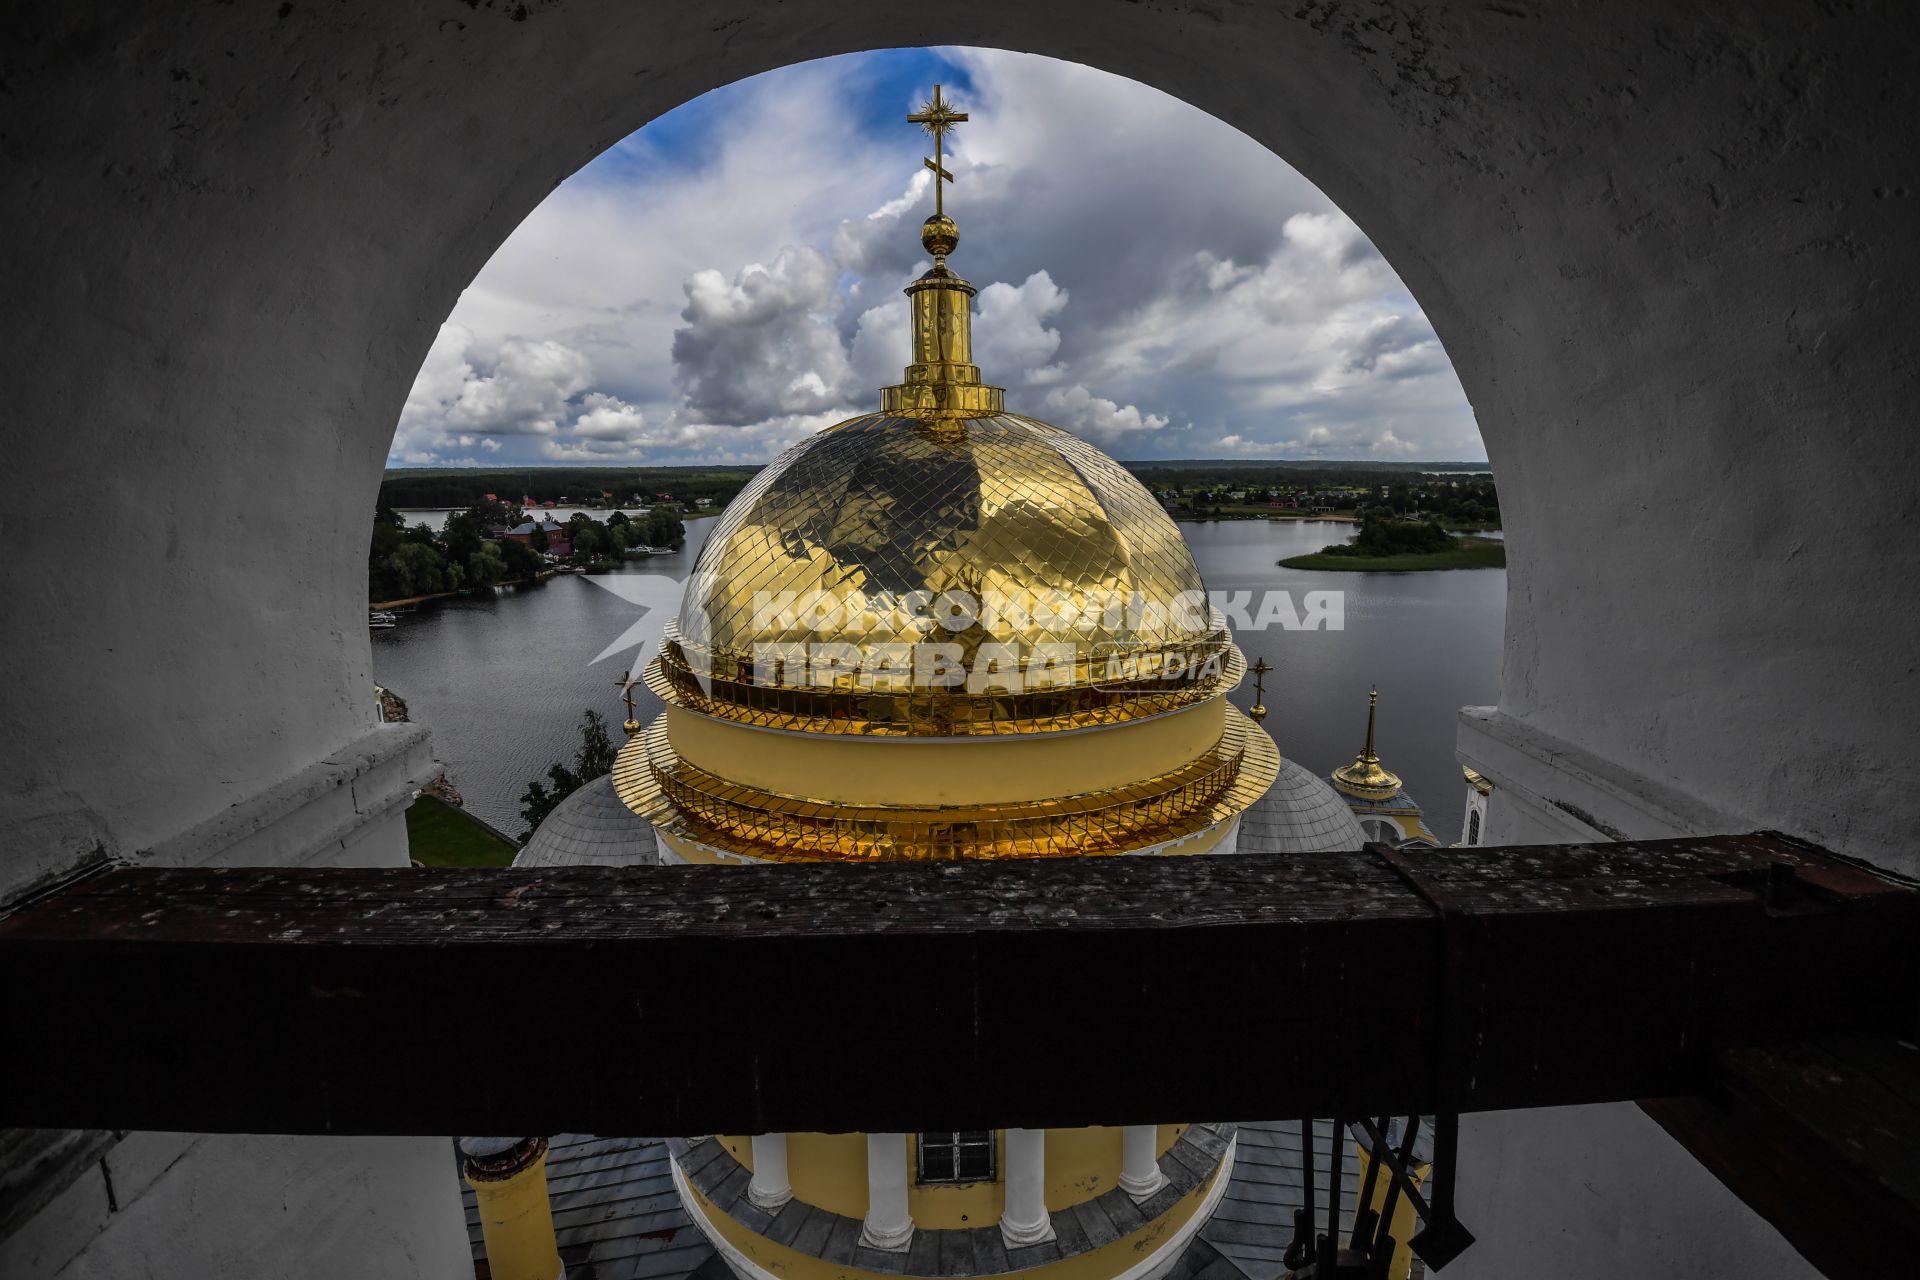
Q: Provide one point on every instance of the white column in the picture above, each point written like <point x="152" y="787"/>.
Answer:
<point x="769" y="1188"/>
<point x="1025" y="1219"/>
<point x="888" y="1224"/>
<point x="1140" y="1174"/>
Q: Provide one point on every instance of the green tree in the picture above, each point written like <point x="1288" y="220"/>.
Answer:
<point x="462" y="537"/>
<point x="538" y="539"/>
<point x="593" y="759"/>
<point x="416" y="569"/>
<point x="486" y="567"/>
<point x="1381" y="535"/>
<point x="589" y="540"/>
<point x="541" y="799"/>
<point x="665" y="530"/>
<point x="522" y="563"/>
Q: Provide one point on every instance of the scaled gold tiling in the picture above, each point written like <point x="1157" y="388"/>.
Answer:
<point x="687" y="801"/>
<point x="888" y="507"/>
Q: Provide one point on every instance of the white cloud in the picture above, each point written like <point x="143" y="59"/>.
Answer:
<point x="1079" y="410"/>
<point x="1145" y="274"/>
<point x="764" y="344"/>
<point x="1011" y="333"/>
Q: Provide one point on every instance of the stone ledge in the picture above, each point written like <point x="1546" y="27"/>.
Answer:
<point x="1573" y="793"/>
<point x="313" y="816"/>
<point x="951" y="1252"/>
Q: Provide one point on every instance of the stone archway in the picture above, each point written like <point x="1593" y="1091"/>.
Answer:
<point x="1661" y="251"/>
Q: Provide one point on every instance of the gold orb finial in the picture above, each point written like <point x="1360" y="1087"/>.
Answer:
<point x="939" y="235"/>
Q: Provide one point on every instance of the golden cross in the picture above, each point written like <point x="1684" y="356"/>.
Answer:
<point x="936" y="118"/>
<point x="626" y="683"/>
<point x="1259" y="708"/>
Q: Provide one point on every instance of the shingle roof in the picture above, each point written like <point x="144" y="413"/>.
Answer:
<point x="592" y="827"/>
<point x="1300" y="813"/>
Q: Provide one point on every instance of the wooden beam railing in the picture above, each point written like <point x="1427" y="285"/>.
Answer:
<point x="967" y="994"/>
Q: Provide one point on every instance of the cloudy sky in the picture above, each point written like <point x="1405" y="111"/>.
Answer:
<point x="727" y="280"/>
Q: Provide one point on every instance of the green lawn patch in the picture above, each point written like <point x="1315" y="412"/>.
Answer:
<point x="442" y="836"/>
<point x="1465" y="553"/>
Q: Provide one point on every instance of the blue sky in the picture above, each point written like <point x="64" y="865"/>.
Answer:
<point x="726" y="280"/>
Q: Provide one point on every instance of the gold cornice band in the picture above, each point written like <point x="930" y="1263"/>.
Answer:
<point x="691" y="803"/>
<point x="842" y="769"/>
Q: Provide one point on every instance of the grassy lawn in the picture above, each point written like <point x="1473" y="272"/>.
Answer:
<point x="441" y="836"/>
<point x="1465" y="553"/>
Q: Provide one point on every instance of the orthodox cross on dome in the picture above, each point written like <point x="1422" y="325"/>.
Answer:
<point x="936" y="117"/>
<point x="625" y="684"/>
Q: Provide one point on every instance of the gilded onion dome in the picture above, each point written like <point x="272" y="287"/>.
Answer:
<point x="1054" y="587"/>
<point x="944" y="572"/>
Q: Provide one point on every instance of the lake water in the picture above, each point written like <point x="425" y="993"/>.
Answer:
<point x="502" y="681"/>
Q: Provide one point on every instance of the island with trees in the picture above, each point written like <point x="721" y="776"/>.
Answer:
<point x="1389" y="544"/>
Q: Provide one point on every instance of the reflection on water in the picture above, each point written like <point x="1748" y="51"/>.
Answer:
<point x="502" y="681"/>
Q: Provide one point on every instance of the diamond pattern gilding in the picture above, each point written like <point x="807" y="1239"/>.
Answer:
<point x="998" y="506"/>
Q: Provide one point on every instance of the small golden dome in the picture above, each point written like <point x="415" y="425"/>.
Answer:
<point x="1366" y="778"/>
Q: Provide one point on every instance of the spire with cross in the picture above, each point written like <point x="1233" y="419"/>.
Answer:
<point x="936" y="117"/>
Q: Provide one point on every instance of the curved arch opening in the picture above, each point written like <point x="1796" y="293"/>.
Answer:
<point x="727" y="279"/>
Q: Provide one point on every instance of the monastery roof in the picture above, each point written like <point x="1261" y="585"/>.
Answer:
<point x="591" y="827"/>
<point x="1300" y="813"/>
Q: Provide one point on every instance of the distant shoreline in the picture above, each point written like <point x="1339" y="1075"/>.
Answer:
<point x="1465" y="553"/>
<point x="1195" y="517"/>
<point x="377" y="605"/>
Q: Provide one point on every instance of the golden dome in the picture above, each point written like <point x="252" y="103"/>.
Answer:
<point x="942" y="571"/>
<point x="1002" y="536"/>
<point x="1366" y="778"/>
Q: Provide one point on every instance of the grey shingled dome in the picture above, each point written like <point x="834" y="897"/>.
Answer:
<point x="1300" y="813"/>
<point x="591" y="828"/>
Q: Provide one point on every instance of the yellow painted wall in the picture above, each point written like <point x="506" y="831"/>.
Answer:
<point x="1098" y="1264"/>
<point x="829" y="1170"/>
<point x="898" y="771"/>
<point x="1081" y="1164"/>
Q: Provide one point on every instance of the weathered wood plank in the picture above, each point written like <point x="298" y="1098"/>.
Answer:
<point x="824" y="997"/>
